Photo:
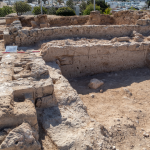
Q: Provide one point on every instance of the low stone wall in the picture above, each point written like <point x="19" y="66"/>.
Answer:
<point x="75" y="60"/>
<point x="27" y="37"/>
<point x="66" y="20"/>
<point x="118" y="18"/>
<point x="130" y="17"/>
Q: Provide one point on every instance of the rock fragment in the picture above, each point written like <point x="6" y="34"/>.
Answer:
<point x="95" y="83"/>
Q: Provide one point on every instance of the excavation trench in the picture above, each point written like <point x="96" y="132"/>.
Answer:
<point x="83" y="56"/>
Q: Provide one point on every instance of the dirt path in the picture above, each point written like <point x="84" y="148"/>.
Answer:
<point x="123" y="107"/>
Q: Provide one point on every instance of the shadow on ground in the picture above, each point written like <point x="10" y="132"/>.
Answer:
<point x="111" y="80"/>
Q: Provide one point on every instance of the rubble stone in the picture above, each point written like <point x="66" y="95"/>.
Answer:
<point x="95" y="83"/>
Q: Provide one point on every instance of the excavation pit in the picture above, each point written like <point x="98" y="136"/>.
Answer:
<point x="122" y="107"/>
<point x="83" y="56"/>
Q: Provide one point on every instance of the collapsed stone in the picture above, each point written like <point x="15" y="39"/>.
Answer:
<point x="95" y="83"/>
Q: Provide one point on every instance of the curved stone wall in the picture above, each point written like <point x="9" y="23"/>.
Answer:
<point x="28" y="37"/>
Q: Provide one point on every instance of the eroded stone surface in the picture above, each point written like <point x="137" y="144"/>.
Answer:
<point x="22" y="137"/>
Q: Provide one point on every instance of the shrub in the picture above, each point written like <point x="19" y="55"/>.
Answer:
<point x="5" y="11"/>
<point x="107" y="11"/>
<point x="103" y="5"/>
<point x="37" y="10"/>
<point x="21" y="7"/>
<point x="90" y="8"/>
<point x="51" y="11"/>
<point x="65" y="11"/>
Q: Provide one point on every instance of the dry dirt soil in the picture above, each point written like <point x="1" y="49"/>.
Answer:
<point x="123" y="108"/>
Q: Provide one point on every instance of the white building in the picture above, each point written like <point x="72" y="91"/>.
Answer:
<point x="125" y="5"/>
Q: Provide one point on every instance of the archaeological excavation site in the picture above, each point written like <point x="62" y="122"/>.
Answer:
<point x="75" y="82"/>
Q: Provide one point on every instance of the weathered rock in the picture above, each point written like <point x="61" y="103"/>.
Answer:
<point x="45" y="102"/>
<point x="34" y="24"/>
<point x="143" y="22"/>
<point x="148" y="38"/>
<point x="10" y="18"/>
<point x="95" y="83"/>
<point x="17" y="69"/>
<point x="21" y="138"/>
<point x="135" y="33"/>
<point x="123" y="39"/>
<point x="43" y="25"/>
<point x="114" y="40"/>
<point x="138" y="39"/>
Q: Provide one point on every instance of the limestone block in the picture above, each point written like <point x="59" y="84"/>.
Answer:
<point x="17" y="69"/>
<point x="123" y="46"/>
<point x="138" y="39"/>
<point x="46" y="31"/>
<point x="114" y="40"/>
<point x="68" y="71"/>
<point x="146" y="45"/>
<point x="43" y="88"/>
<point x="81" y="50"/>
<point x="9" y="20"/>
<point x="43" y="25"/>
<point x="66" y="60"/>
<point x="21" y="137"/>
<point x="148" y="38"/>
<point x="34" y="24"/>
<point x="81" y="65"/>
<point x="135" y="33"/>
<point x="46" y="102"/>
<point x="132" y="46"/>
<point x="142" y="22"/>
<point x="123" y="39"/>
<point x="20" y="90"/>
<point x="95" y="83"/>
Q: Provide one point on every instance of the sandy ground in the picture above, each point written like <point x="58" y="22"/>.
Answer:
<point x="123" y="106"/>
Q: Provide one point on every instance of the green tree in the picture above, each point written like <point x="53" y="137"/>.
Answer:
<point x="90" y="8"/>
<point x="82" y="6"/>
<point x="148" y="3"/>
<point x="70" y="3"/>
<point x="100" y="3"/>
<point x="21" y="7"/>
<point x="65" y="11"/>
<point x="5" y="11"/>
<point x="37" y="10"/>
